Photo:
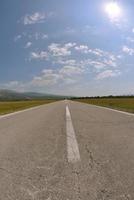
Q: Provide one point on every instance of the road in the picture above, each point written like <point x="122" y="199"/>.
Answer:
<point x="67" y="151"/>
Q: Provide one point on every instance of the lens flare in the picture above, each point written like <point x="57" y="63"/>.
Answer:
<point x="113" y="10"/>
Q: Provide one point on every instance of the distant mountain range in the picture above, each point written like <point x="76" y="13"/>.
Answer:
<point x="6" y="95"/>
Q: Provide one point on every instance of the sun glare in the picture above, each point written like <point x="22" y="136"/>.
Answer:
<point x="113" y="10"/>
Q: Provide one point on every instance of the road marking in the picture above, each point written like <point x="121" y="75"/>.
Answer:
<point x="72" y="145"/>
<point x="114" y="110"/>
<point x="110" y="109"/>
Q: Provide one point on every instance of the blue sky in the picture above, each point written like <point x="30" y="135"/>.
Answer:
<point x="77" y="47"/>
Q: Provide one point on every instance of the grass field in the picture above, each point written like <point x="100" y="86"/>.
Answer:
<point x="124" y="104"/>
<point x="12" y="106"/>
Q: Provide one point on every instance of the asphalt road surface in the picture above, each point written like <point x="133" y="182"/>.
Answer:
<point x="67" y="151"/>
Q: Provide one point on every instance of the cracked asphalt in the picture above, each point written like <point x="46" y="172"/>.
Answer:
<point x="33" y="154"/>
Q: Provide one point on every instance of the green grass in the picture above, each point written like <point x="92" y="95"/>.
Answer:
<point x="12" y="106"/>
<point x="124" y="104"/>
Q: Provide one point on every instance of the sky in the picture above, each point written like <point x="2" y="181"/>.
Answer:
<point x="79" y="47"/>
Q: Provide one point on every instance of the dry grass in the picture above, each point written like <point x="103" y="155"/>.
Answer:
<point x="12" y="106"/>
<point x="125" y="104"/>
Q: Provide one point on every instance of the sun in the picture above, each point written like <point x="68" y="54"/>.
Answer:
<point x="113" y="10"/>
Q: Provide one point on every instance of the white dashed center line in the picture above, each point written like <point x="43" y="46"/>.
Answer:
<point x="72" y="145"/>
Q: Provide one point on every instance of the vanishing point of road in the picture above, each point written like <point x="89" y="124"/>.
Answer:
<point x="67" y="151"/>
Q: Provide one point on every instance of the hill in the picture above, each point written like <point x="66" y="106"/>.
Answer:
<point x="9" y="95"/>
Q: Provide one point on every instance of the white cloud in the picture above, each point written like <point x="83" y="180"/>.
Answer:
<point x="128" y="50"/>
<point x="58" y="50"/>
<point x="107" y="62"/>
<point x="71" y="70"/>
<point x="58" y="53"/>
<point x="130" y="39"/>
<point x="108" y="74"/>
<point x="48" y="77"/>
<point x="28" y="45"/>
<point x="38" y="55"/>
<point x="35" y="36"/>
<point x="18" y="37"/>
<point x="54" y="51"/>
<point x="86" y="50"/>
<point x="71" y="62"/>
<point x="97" y="64"/>
<point x="110" y="63"/>
<point x="98" y="52"/>
<point x="82" y="48"/>
<point x="14" y="85"/>
<point x="40" y="36"/>
<point x="34" y="18"/>
<point x="70" y="30"/>
<point x="103" y="64"/>
<point x="119" y="56"/>
<point x="70" y="45"/>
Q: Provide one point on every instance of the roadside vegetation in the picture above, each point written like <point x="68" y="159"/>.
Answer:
<point x="119" y="103"/>
<point x="12" y="106"/>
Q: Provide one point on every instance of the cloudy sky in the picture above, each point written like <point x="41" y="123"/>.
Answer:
<point x="79" y="47"/>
